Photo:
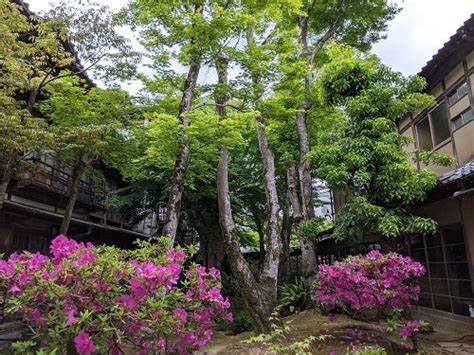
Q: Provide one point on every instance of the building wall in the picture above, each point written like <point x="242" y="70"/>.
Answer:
<point x="458" y="140"/>
<point x="449" y="254"/>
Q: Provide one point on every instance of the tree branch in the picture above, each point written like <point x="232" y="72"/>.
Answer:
<point x="75" y="73"/>
<point x="320" y="43"/>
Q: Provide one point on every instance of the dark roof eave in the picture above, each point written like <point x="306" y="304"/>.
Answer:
<point x="42" y="213"/>
<point x="76" y="66"/>
<point x="458" y="45"/>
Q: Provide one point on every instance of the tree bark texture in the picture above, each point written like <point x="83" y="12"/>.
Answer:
<point x="307" y="246"/>
<point x="269" y="274"/>
<point x="285" y="235"/>
<point x="73" y="193"/>
<point x="181" y="165"/>
<point x="260" y="296"/>
<point x="259" y="301"/>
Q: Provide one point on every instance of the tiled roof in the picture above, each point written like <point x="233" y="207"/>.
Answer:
<point x="456" y="174"/>
<point x="458" y="45"/>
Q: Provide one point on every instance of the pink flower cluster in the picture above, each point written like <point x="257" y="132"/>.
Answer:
<point x="375" y="281"/>
<point x="104" y="298"/>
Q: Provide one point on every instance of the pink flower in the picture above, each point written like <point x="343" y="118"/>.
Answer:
<point x="129" y="302"/>
<point x="6" y="270"/>
<point x="175" y="255"/>
<point x="215" y="295"/>
<point x="84" y="344"/>
<point x="229" y="317"/>
<point x="182" y="315"/>
<point x="86" y="257"/>
<point x="62" y="247"/>
<point x="70" y="317"/>
<point x="189" y="295"/>
<point x="37" y="260"/>
<point x="215" y="273"/>
<point x="162" y="344"/>
<point x="137" y="289"/>
<point x="147" y="270"/>
<point x="14" y="289"/>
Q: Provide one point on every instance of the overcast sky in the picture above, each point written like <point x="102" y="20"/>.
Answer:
<point x="414" y="36"/>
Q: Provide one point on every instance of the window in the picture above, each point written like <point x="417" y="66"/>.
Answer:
<point x="424" y="134"/>
<point x="463" y="118"/>
<point x="434" y="129"/>
<point x="440" y="124"/>
<point x="458" y="93"/>
<point x="447" y="282"/>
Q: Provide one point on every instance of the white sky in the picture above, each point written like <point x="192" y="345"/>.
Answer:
<point x="414" y="36"/>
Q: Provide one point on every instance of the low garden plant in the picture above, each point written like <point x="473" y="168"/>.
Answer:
<point x="377" y="286"/>
<point x="108" y="300"/>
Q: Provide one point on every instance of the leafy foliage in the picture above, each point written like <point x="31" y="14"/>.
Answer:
<point x="374" y="281"/>
<point x="368" y="163"/>
<point x="279" y="341"/>
<point x="294" y="296"/>
<point x="106" y="299"/>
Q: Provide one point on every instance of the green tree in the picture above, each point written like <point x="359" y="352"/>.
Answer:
<point x="356" y="23"/>
<point x="186" y="32"/>
<point x="368" y="163"/>
<point x="83" y="122"/>
<point x="37" y="51"/>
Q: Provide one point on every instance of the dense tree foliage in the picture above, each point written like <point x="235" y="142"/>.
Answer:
<point x="243" y="105"/>
<point x="368" y="163"/>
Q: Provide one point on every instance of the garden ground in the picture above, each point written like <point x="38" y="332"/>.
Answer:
<point x="345" y="331"/>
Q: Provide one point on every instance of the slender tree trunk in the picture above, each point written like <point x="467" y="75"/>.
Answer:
<point x="181" y="165"/>
<point x="269" y="275"/>
<point x="261" y="296"/>
<point x="308" y="255"/>
<point x="73" y="193"/>
<point x="258" y="300"/>
<point x="285" y="263"/>
<point x="308" y="247"/>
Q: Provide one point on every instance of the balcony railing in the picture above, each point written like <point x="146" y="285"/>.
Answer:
<point x="55" y="180"/>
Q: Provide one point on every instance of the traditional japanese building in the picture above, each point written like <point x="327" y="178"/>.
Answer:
<point x="36" y="198"/>
<point x="447" y="128"/>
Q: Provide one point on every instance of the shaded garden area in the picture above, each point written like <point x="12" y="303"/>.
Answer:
<point x="230" y="181"/>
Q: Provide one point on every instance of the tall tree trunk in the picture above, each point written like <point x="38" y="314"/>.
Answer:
<point x="285" y="235"/>
<point x="181" y="165"/>
<point x="269" y="275"/>
<point x="308" y="255"/>
<point x="73" y="193"/>
<point x="308" y="247"/>
<point x="260" y="296"/>
<point x="258" y="299"/>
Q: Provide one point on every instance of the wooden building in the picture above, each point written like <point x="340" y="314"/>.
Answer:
<point x="37" y="196"/>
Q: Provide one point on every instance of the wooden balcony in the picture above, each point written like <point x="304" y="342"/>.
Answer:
<point x="56" y="181"/>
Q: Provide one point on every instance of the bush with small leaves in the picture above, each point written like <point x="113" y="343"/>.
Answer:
<point x="105" y="300"/>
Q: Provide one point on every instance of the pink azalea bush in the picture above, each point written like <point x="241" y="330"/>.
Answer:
<point x="384" y="283"/>
<point x="105" y="300"/>
<point x="374" y="281"/>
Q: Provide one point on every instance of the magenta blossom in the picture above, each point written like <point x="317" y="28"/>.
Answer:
<point x="84" y="344"/>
